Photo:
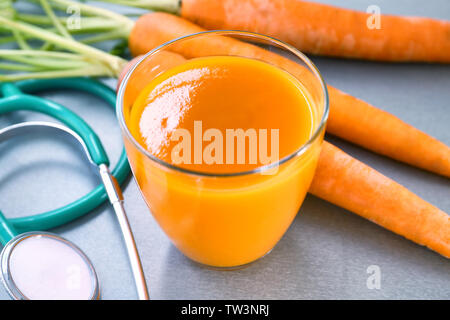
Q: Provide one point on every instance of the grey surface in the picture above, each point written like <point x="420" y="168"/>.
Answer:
<point x="325" y="253"/>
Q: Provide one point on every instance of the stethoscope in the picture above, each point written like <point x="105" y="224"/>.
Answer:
<point x="41" y="265"/>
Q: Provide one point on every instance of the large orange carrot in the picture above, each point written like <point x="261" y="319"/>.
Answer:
<point x="350" y="118"/>
<point x="327" y="30"/>
<point x="350" y="184"/>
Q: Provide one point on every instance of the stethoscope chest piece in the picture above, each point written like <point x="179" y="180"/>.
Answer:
<point x="44" y="266"/>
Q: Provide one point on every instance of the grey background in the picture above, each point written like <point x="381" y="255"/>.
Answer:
<point x="326" y="251"/>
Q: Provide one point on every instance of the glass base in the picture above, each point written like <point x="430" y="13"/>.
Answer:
<point x="230" y="268"/>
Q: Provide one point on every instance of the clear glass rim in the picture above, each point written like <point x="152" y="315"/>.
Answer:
<point x="303" y="148"/>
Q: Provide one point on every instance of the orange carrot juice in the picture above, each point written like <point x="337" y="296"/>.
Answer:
<point x="217" y="158"/>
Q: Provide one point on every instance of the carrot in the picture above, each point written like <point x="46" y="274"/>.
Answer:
<point x="350" y="118"/>
<point x="354" y="120"/>
<point x="327" y="30"/>
<point x="350" y="184"/>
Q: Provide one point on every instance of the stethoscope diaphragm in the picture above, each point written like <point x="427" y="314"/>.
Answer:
<point x="44" y="266"/>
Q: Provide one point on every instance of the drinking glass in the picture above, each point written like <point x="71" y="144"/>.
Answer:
<point x="229" y="219"/>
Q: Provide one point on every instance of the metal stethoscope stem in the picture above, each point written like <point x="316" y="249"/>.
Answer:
<point x="116" y="198"/>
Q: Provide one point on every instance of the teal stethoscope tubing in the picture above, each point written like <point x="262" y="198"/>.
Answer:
<point x="14" y="99"/>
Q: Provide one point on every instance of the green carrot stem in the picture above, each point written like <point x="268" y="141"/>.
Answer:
<point x="93" y="71"/>
<point x="18" y="67"/>
<point x="93" y="11"/>
<point x="47" y="54"/>
<point x="38" y="19"/>
<point x="46" y="46"/>
<point x="172" y="6"/>
<point x="10" y="39"/>
<point x="116" y="64"/>
<point x="5" y="4"/>
<point x="48" y="63"/>
<point x="55" y="21"/>
<point x="7" y="9"/>
<point x="87" y="24"/>
<point x="20" y="40"/>
<point x="112" y="35"/>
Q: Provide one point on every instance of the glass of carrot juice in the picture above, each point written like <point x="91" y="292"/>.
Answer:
<point x="223" y="131"/>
